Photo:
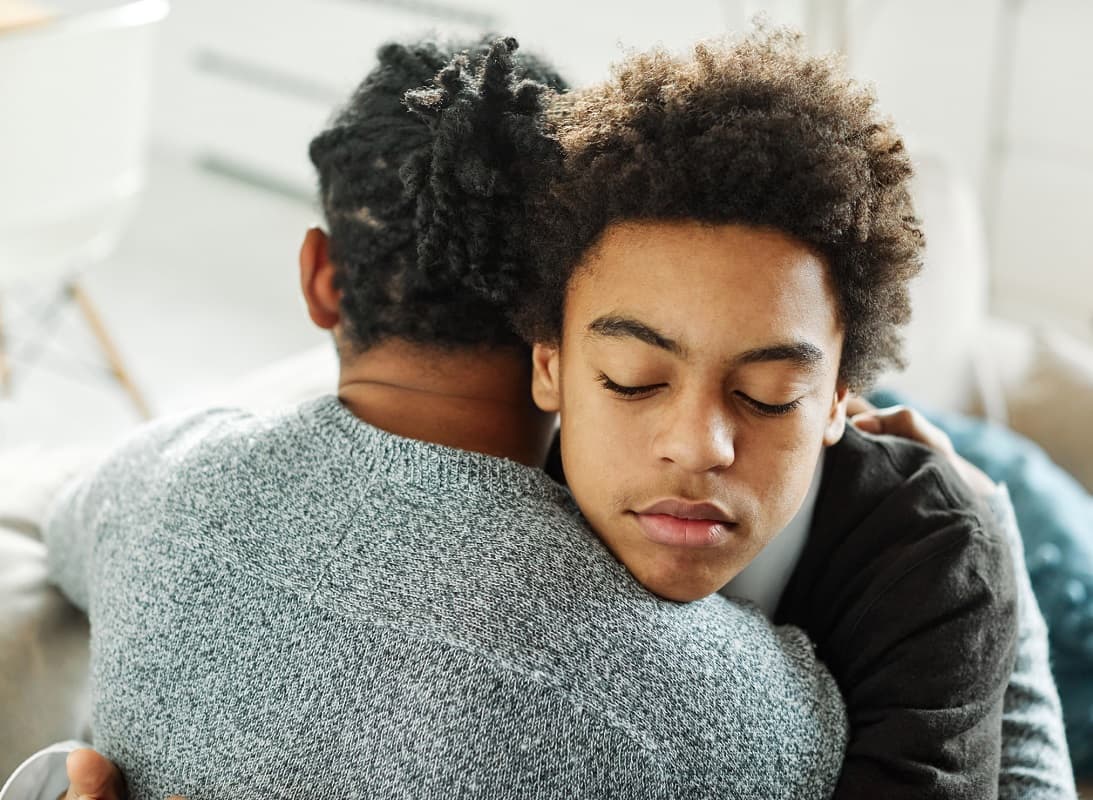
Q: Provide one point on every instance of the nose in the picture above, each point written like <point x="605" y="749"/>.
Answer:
<point x="697" y="435"/>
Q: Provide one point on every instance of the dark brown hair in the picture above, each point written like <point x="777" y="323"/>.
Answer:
<point x="756" y="132"/>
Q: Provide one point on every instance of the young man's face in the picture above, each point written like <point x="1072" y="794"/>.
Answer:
<point x="696" y="379"/>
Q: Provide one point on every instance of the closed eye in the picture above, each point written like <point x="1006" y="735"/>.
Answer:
<point x="627" y="391"/>
<point x="770" y="410"/>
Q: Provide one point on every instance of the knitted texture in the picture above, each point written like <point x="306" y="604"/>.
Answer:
<point x="1035" y="761"/>
<point x="303" y="605"/>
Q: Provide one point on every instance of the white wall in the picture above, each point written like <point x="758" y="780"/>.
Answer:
<point x="1002" y="87"/>
<point x="246" y="83"/>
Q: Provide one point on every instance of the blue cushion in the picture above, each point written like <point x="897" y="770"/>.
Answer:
<point x="1055" y="515"/>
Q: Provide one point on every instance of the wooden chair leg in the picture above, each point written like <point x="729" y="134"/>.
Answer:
<point x="5" y="367"/>
<point x="99" y="330"/>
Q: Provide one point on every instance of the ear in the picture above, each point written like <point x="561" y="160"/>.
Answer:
<point x="836" y="418"/>
<point x="317" y="280"/>
<point x="545" y="377"/>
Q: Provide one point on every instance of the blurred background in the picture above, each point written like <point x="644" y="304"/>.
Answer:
<point x="200" y="288"/>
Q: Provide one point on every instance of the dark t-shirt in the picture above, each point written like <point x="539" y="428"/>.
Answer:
<point x="907" y="588"/>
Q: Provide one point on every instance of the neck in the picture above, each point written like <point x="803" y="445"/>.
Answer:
<point x="470" y="399"/>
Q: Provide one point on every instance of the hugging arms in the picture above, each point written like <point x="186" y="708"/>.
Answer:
<point x="692" y="265"/>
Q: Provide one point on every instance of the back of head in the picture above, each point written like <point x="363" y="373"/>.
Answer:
<point x="754" y="132"/>
<point x="423" y="178"/>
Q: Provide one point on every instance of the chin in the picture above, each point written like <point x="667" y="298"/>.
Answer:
<point x="679" y="590"/>
<point x="684" y="595"/>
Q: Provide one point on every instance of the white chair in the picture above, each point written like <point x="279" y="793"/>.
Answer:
<point x="74" y="102"/>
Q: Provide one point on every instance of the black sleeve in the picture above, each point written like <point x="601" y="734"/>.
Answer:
<point x="924" y="662"/>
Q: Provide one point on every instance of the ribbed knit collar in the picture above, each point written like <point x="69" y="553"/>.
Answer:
<point x="425" y="464"/>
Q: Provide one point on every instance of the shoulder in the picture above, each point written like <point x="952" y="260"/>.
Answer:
<point x="900" y="550"/>
<point x="868" y="474"/>
<point x="177" y="437"/>
<point x="188" y="458"/>
<point x="224" y="442"/>
<point x="766" y="710"/>
<point x="726" y="692"/>
<point x="908" y="587"/>
<point x="733" y="704"/>
<point x="141" y="456"/>
<point x="886" y="499"/>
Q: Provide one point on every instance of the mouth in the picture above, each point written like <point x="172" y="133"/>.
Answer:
<point x="681" y="523"/>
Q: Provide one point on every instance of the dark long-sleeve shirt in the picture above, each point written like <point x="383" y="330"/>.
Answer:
<point x="907" y="587"/>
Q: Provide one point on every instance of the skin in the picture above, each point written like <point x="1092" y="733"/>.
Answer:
<point x="470" y="399"/>
<point x="93" y="777"/>
<point x="708" y="328"/>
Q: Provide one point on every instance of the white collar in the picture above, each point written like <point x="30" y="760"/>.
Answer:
<point x="765" y="578"/>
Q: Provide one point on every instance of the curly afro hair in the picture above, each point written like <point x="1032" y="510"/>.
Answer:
<point x="757" y="132"/>
<point x="423" y="178"/>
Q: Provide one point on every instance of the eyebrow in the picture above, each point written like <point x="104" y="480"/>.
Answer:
<point x="800" y="353"/>
<point x="625" y="327"/>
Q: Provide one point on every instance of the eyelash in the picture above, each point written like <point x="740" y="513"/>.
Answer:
<point x="637" y="391"/>
<point x="769" y="410"/>
<point x="625" y="391"/>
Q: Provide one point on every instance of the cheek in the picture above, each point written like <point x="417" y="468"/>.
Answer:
<point x="603" y="455"/>
<point x="597" y="440"/>
<point x="779" y="460"/>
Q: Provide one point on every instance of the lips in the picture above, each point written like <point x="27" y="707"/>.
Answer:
<point x="681" y="523"/>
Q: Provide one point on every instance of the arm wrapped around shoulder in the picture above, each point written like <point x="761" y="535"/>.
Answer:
<point x="936" y="647"/>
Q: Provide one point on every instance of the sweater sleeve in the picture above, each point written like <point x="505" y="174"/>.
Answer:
<point x="1035" y="760"/>
<point x="930" y="656"/>
<point x="69" y="541"/>
<point x="87" y="511"/>
<point x="81" y="513"/>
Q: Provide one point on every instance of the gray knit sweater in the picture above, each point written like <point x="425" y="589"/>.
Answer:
<point x="1035" y="761"/>
<point x="303" y="605"/>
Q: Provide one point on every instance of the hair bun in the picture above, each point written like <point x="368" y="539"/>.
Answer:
<point x="471" y="184"/>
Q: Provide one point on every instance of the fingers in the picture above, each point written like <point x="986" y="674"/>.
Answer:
<point x="856" y="404"/>
<point x="908" y="423"/>
<point x="904" y="422"/>
<point x="868" y="422"/>
<point x="91" y="776"/>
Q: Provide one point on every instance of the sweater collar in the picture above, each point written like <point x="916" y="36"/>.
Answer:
<point x="431" y="466"/>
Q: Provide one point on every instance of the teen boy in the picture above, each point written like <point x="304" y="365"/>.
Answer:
<point x="725" y="255"/>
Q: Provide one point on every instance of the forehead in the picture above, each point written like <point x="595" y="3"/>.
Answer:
<point x="728" y="283"/>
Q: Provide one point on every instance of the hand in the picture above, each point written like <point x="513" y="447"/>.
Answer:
<point x="909" y="424"/>
<point x="856" y="404"/>
<point x="91" y="776"/>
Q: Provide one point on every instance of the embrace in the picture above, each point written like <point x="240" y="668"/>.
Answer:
<point x="585" y="516"/>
